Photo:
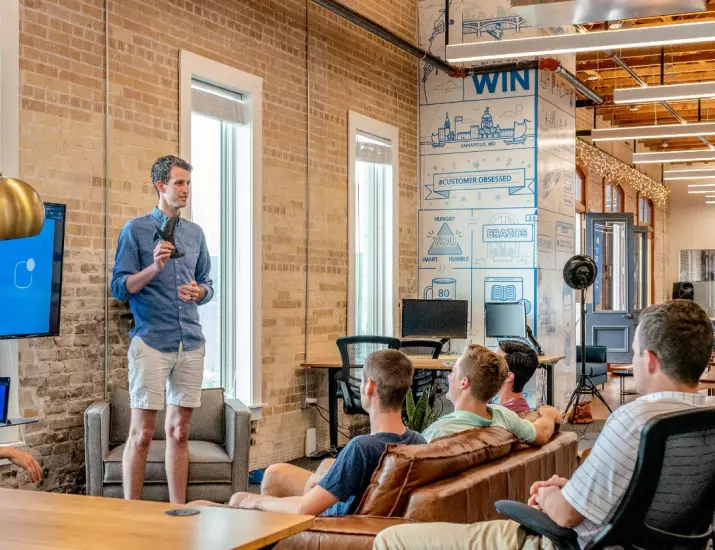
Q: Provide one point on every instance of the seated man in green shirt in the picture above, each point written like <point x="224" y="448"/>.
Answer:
<point x="475" y="379"/>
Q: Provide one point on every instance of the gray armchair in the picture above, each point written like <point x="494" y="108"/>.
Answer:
<point x="596" y="363"/>
<point x="219" y="440"/>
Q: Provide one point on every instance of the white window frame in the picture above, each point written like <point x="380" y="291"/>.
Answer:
<point x="358" y="122"/>
<point x="10" y="166"/>
<point x="192" y="66"/>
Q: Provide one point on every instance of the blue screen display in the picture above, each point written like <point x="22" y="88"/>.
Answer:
<point x="30" y="279"/>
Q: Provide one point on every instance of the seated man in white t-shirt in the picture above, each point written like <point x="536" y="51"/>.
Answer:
<point x="671" y="350"/>
<point x="475" y="379"/>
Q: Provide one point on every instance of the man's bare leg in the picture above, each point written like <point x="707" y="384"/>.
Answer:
<point x="286" y="480"/>
<point x="141" y="432"/>
<point x="177" y="451"/>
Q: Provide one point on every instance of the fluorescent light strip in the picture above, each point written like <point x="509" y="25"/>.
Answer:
<point x="673" y="175"/>
<point x="691" y="170"/>
<point x="669" y="92"/>
<point x="693" y="185"/>
<point x="699" y="192"/>
<point x="674" y="156"/>
<point x="654" y="132"/>
<point x="684" y="33"/>
<point x="709" y="202"/>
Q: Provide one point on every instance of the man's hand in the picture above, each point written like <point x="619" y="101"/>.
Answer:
<point x="26" y="462"/>
<point x="162" y="251"/>
<point x="244" y="501"/>
<point x="191" y="292"/>
<point x="554" y="481"/>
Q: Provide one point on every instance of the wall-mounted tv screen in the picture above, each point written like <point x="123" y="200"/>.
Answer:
<point x="31" y="279"/>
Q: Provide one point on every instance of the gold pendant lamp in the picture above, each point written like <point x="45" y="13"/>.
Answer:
<point x="22" y="213"/>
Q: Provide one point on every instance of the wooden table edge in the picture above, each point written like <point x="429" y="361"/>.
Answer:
<point x="277" y="537"/>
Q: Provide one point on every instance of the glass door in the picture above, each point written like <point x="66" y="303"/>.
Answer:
<point x="610" y="319"/>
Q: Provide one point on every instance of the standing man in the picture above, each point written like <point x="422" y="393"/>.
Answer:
<point x="167" y="346"/>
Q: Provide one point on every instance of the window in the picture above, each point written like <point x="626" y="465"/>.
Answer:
<point x="645" y="253"/>
<point x="373" y="212"/>
<point x="9" y="164"/>
<point x="613" y="200"/>
<point x="645" y="211"/>
<point x="580" y="190"/>
<point x="221" y="137"/>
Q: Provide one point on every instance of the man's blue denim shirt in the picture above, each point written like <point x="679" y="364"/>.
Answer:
<point x="161" y="319"/>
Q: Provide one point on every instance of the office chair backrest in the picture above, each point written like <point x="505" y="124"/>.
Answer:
<point x="353" y="353"/>
<point x="672" y="486"/>
<point x="423" y="379"/>
<point x="421" y="347"/>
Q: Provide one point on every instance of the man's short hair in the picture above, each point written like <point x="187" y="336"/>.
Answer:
<point x="485" y="370"/>
<point x="161" y="169"/>
<point x="392" y="372"/>
<point x="680" y="334"/>
<point x="521" y="360"/>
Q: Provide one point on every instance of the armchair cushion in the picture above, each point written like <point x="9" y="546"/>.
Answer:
<point x="208" y="463"/>
<point x="404" y="468"/>
<point x="207" y="421"/>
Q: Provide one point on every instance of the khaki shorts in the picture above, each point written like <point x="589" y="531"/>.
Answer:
<point x="151" y="372"/>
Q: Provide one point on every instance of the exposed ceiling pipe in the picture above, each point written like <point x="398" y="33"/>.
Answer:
<point x="458" y="72"/>
<point x="378" y="30"/>
<point x="568" y="76"/>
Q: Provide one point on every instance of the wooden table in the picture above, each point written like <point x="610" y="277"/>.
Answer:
<point x="333" y="364"/>
<point x="52" y="521"/>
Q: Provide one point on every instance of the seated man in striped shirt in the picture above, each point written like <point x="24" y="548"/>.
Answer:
<point x="671" y="349"/>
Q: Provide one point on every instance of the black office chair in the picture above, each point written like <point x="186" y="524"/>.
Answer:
<point x="669" y="502"/>
<point x="353" y="353"/>
<point x="424" y="380"/>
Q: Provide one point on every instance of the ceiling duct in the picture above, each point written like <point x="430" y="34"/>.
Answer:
<point x="551" y="13"/>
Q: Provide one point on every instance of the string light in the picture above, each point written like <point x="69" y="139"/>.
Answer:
<point x="604" y="165"/>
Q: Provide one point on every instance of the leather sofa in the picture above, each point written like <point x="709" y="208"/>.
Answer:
<point x="219" y="440"/>
<point x="455" y="479"/>
<point x="596" y="363"/>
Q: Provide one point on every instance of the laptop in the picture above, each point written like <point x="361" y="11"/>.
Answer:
<point x="4" y="398"/>
<point x="5" y="406"/>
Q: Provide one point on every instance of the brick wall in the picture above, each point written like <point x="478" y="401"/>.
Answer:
<point x="62" y="153"/>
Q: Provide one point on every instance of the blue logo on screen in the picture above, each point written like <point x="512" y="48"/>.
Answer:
<point x="26" y="282"/>
<point x="3" y="402"/>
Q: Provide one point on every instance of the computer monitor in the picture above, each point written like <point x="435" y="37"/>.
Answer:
<point x="434" y="318"/>
<point x="4" y="398"/>
<point x="31" y="279"/>
<point x="505" y="320"/>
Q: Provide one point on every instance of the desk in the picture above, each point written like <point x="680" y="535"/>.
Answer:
<point x="52" y="521"/>
<point x="333" y="364"/>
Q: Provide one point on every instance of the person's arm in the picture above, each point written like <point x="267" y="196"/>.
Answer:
<point x="127" y="277"/>
<point x="553" y="504"/>
<point x="313" y="503"/>
<point x="546" y="424"/>
<point x="203" y="274"/>
<point x="25" y="461"/>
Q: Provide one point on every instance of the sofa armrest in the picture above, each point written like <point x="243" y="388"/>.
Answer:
<point x="238" y="441"/>
<point x="340" y="533"/>
<point x="96" y="445"/>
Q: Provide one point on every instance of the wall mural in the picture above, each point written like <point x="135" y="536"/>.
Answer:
<point x="496" y="212"/>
